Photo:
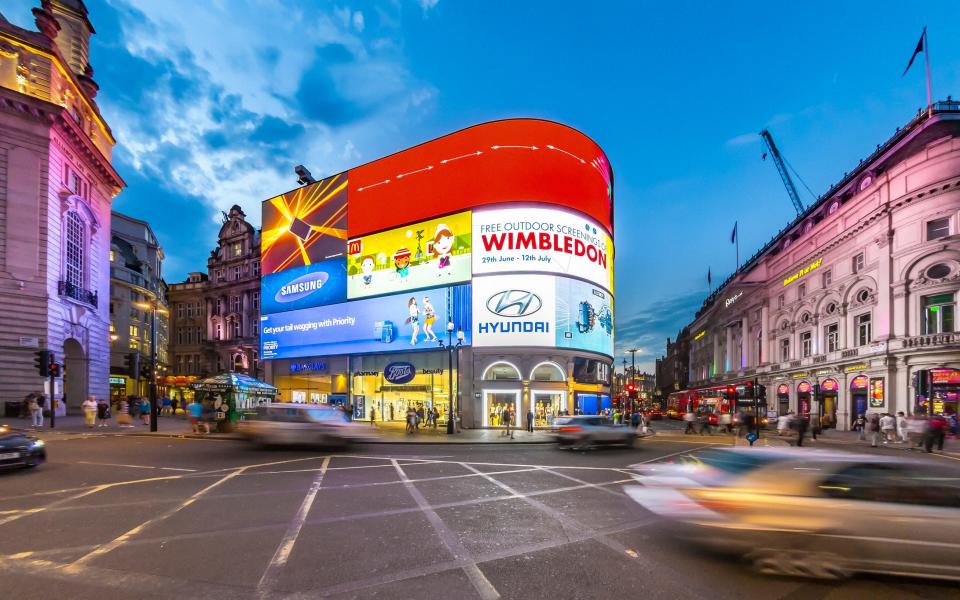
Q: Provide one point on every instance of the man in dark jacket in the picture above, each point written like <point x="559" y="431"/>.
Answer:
<point x="530" y="420"/>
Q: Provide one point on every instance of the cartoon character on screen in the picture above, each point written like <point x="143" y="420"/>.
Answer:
<point x="429" y="317"/>
<point x="401" y="260"/>
<point x="441" y="247"/>
<point x="366" y="268"/>
<point x="414" y="320"/>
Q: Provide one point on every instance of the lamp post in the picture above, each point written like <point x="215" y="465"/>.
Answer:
<point x="450" y="350"/>
<point x="154" y="307"/>
<point x="633" y="368"/>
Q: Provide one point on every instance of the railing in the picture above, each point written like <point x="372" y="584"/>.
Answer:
<point x="65" y="288"/>
<point x="850" y="353"/>
<point x="822" y="358"/>
<point x="933" y="339"/>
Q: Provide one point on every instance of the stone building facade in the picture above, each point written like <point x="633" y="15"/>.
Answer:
<point x="56" y="188"/>
<point x="673" y="368"/>
<point x="858" y="295"/>
<point x="215" y="317"/>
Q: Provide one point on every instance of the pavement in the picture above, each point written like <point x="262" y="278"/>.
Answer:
<point x="112" y="516"/>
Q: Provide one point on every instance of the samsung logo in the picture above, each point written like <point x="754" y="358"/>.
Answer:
<point x="399" y="372"/>
<point x="514" y="303"/>
<point x="301" y="287"/>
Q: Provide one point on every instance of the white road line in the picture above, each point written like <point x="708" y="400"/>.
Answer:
<point x="450" y="540"/>
<point x="492" y="464"/>
<point x="269" y="578"/>
<point x="84" y="462"/>
<point x="122" y="539"/>
<point x="33" y="511"/>
<point x="587" y="483"/>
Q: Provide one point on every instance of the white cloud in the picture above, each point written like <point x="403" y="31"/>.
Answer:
<point x="428" y="4"/>
<point x="743" y="139"/>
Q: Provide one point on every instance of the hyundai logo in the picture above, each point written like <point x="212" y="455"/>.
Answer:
<point x="399" y="372"/>
<point x="301" y="287"/>
<point x="514" y="303"/>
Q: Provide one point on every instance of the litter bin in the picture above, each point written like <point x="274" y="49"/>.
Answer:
<point x="11" y="408"/>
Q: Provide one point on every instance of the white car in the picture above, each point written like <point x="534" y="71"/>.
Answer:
<point x="281" y="423"/>
<point x="585" y="431"/>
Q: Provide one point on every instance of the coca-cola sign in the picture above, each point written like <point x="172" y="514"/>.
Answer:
<point x="399" y="372"/>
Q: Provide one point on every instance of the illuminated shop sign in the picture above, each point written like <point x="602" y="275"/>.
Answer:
<point x="860" y="382"/>
<point x="300" y="367"/>
<point x="426" y="254"/>
<point x="732" y="299"/>
<point x="876" y="392"/>
<point x="700" y="335"/>
<point x="829" y="385"/>
<point x="305" y="226"/>
<point x="945" y="376"/>
<point x="542" y="310"/>
<point x="544" y="240"/>
<point x="399" y="372"/>
<point x="783" y="390"/>
<point x="310" y="285"/>
<point x="803" y="388"/>
<point x="814" y="265"/>
<point x="853" y="368"/>
<point x="399" y="322"/>
<point x="118" y="381"/>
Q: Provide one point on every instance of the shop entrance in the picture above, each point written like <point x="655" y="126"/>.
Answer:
<point x="494" y="401"/>
<point x="858" y="395"/>
<point x="547" y="406"/>
<point x="783" y="399"/>
<point x="394" y="401"/>
<point x="803" y="399"/>
<point x="828" y="395"/>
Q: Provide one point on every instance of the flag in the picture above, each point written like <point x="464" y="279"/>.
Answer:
<point x="733" y="236"/>
<point x="921" y="46"/>
<point x="709" y="278"/>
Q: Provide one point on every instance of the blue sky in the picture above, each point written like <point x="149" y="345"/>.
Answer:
<point x="214" y="102"/>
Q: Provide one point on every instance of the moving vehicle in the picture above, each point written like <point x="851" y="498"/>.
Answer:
<point x="714" y="401"/>
<point x="282" y="423"/>
<point x="19" y="448"/>
<point x="654" y="413"/>
<point x="810" y="513"/>
<point x="584" y="431"/>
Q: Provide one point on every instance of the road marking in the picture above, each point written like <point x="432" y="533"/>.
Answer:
<point x="84" y="462"/>
<point x="617" y="493"/>
<point x="449" y="539"/>
<point x="269" y="578"/>
<point x="122" y="539"/>
<point x="33" y="511"/>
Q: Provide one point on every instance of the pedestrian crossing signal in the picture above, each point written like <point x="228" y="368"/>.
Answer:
<point x="42" y="361"/>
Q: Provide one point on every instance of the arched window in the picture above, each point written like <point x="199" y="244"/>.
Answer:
<point x="501" y="371"/>
<point x="547" y="371"/>
<point x="75" y="249"/>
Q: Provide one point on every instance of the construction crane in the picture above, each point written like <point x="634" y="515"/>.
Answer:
<point x="782" y="169"/>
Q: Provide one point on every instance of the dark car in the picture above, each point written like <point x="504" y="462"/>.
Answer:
<point x="20" y="449"/>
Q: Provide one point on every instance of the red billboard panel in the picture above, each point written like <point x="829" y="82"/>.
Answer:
<point x="518" y="160"/>
<point x="305" y="226"/>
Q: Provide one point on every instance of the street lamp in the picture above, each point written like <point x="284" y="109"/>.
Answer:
<point x="154" y="307"/>
<point x="450" y="349"/>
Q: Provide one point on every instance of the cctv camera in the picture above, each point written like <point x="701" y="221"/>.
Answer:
<point x="303" y="175"/>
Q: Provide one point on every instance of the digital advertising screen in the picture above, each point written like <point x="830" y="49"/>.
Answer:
<point x="316" y="284"/>
<point x="545" y="240"/>
<point x="402" y="322"/>
<point x="425" y="254"/>
<point x="543" y="311"/>
<point x="305" y="226"/>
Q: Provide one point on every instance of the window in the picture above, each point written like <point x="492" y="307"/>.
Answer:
<point x="237" y="248"/>
<point x="938" y="228"/>
<point x="236" y="328"/>
<point x="134" y="331"/>
<point x="827" y="278"/>
<point x="863" y="296"/>
<point x="220" y="275"/>
<point x="938" y="314"/>
<point x="785" y="349"/>
<point x="834" y="207"/>
<point x="180" y="336"/>
<point x="236" y="273"/>
<point x="180" y="310"/>
<point x="501" y="372"/>
<point x="801" y="290"/>
<point x="864" y="329"/>
<point x="256" y="301"/>
<point x="830" y="308"/>
<point x="938" y="271"/>
<point x="75" y="249"/>
<point x="806" y="344"/>
<point x="199" y="334"/>
<point x="781" y="300"/>
<point x="547" y="372"/>
<point x="196" y="363"/>
<point x="858" y="263"/>
<point x="235" y="303"/>
<point x="255" y="268"/>
<point x="832" y="334"/>
<point x="218" y="331"/>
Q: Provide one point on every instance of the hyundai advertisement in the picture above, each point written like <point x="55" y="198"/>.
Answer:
<point x="304" y="287"/>
<point x="542" y="310"/>
<point x="395" y="323"/>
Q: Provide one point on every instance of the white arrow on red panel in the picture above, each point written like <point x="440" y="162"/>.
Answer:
<point x="567" y="153"/>
<point x="526" y="147"/>
<point x="372" y="185"/>
<point x="401" y="175"/>
<point x="446" y="160"/>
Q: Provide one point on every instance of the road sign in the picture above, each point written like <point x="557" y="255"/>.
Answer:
<point x="752" y="437"/>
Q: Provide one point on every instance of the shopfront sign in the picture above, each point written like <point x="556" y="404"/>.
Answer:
<point x="802" y="272"/>
<point x="853" y="368"/>
<point x="118" y="381"/>
<point x="395" y="323"/>
<point x="316" y="284"/>
<point x="829" y="385"/>
<point x="945" y="376"/>
<point x="803" y="388"/>
<point x="544" y="311"/>
<point x="399" y="372"/>
<point x="876" y="392"/>
<point x="800" y="375"/>
<point x="316" y="365"/>
<point x="425" y="254"/>
<point x="542" y="240"/>
<point x="783" y="390"/>
<point x="860" y="382"/>
<point x="697" y="337"/>
<point x="732" y="299"/>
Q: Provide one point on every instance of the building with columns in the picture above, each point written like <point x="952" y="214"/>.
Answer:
<point x="857" y="294"/>
<point x="57" y="184"/>
<point x="215" y="317"/>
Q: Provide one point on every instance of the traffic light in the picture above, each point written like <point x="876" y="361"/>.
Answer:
<point x="632" y="391"/>
<point x="42" y="360"/>
<point x="762" y="393"/>
<point x="816" y="392"/>
<point x="56" y="370"/>
<point x="731" y="392"/>
<point x="132" y="362"/>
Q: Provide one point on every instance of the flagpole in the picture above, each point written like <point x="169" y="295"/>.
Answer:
<point x="738" y="249"/>
<point x="926" y="55"/>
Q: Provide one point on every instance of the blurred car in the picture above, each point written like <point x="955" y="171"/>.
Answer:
<point x="654" y="413"/>
<point x="585" y="431"/>
<point x="308" y="424"/>
<point x="20" y="449"/>
<point x="808" y="513"/>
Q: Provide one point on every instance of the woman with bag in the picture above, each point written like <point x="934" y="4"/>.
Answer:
<point x="103" y="413"/>
<point x="89" y="407"/>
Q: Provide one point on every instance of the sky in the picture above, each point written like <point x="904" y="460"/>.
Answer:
<point x="214" y="102"/>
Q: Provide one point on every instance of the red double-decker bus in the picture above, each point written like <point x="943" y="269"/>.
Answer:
<point x="713" y="401"/>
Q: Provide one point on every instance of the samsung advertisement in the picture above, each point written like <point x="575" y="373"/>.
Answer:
<point x="305" y="286"/>
<point x="396" y="323"/>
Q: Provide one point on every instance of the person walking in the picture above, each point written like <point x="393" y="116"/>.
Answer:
<point x="89" y="407"/>
<point x="873" y="426"/>
<point x="103" y="413"/>
<point x="705" y="425"/>
<point x="194" y="411"/>
<point x="508" y="421"/>
<point x="35" y="408"/>
<point x="635" y="419"/>
<point x="145" y="410"/>
<point x="936" y="432"/>
<point x="888" y="427"/>
<point x="860" y="425"/>
<point x="689" y="418"/>
<point x="411" y="420"/>
<point x="802" y="425"/>
<point x="373" y="416"/>
<point x="901" y="427"/>
<point x="726" y="422"/>
<point x="783" y="424"/>
<point x="530" y="420"/>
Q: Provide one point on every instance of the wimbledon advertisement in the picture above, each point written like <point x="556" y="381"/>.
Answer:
<point x="316" y="284"/>
<point x="400" y="322"/>
<point x="542" y="239"/>
<point x="542" y="310"/>
<point x="426" y="254"/>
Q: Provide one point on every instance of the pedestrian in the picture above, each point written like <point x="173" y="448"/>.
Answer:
<point x="635" y="419"/>
<point x="174" y="404"/>
<point x="419" y="415"/>
<point x="373" y="416"/>
<point x="530" y="420"/>
<point x="123" y="412"/>
<point x="207" y="416"/>
<point x="704" y="420"/>
<point x="134" y="408"/>
<point x="167" y="410"/>
<point x="411" y="420"/>
<point x="802" y="425"/>
<point x="783" y="424"/>
<point x="888" y="428"/>
<point x="860" y="425"/>
<point x="194" y="411"/>
<point x="726" y="422"/>
<point x="103" y="413"/>
<point x="89" y="407"/>
<point x="689" y="418"/>
<point x="508" y="421"/>
<point x="936" y="432"/>
<point x="873" y="426"/>
<point x="35" y="408"/>
<point x="902" y="427"/>
<point x="145" y="411"/>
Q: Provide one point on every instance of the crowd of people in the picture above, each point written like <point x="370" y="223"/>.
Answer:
<point x="125" y="411"/>
<point x="918" y="429"/>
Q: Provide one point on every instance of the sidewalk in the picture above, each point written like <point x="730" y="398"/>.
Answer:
<point x="851" y="439"/>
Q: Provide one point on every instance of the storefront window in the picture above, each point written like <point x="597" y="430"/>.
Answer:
<point x="547" y="372"/>
<point x="547" y="405"/>
<point x="938" y="314"/>
<point x="310" y="381"/>
<point x="418" y="381"/>
<point x="501" y="371"/>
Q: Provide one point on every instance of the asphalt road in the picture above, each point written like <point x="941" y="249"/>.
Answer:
<point x="133" y="517"/>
